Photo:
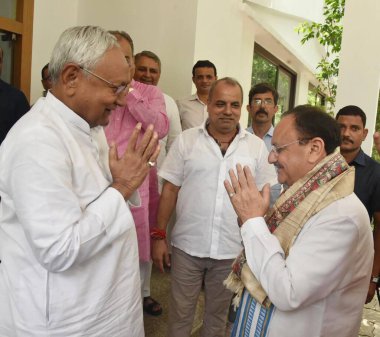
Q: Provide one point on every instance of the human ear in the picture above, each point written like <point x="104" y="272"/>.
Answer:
<point x="365" y="133"/>
<point x="317" y="150"/>
<point x="70" y="76"/>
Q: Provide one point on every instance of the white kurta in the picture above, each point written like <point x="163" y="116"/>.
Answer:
<point x="320" y="288"/>
<point x="67" y="240"/>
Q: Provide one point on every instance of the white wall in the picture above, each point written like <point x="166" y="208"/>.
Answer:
<point x="310" y="9"/>
<point x="180" y="32"/>
<point x="225" y="36"/>
<point x="359" y="69"/>
<point x="51" y="18"/>
<point x="166" y="27"/>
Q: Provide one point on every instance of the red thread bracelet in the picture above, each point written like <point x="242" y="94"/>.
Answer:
<point x="157" y="234"/>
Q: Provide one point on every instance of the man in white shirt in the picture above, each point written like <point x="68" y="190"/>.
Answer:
<point x="148" y="71"/>
<point x="193" y="109"/>
<point x="308" y="262"/>
<point x="205" y="237"/>
<point x="67" y="237"/>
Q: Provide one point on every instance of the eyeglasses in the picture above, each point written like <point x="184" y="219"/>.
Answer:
<point x="278" y="149"/>
<point x="117" y="89"/>
<point x="265" y="102"/>
<point x="128" y="59"/>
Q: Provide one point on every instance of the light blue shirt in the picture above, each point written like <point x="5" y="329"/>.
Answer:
<point x="267" y="138"/>
<point x="275" y="189"/>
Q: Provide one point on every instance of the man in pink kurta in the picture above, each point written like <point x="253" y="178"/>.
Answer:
<point x="145" y="104"/>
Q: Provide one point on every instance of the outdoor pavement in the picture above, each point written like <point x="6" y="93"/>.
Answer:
<point x="160" y="285"/>
<point x="371" y="320"/>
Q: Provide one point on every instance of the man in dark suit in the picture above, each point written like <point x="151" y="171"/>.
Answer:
<point x="13" y="104"/>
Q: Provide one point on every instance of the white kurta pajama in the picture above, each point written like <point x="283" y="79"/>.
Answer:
<point x="320" y="288"/>
<point x="67" y="240"/>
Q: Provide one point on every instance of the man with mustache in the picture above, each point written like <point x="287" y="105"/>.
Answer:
<point x="262" y="108"/>
<point x="352" y="122"/>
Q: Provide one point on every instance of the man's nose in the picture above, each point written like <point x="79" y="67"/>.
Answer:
<point x="228" y="110"/>
<point x="121" y="99"/>
<point x="272" y="157"/>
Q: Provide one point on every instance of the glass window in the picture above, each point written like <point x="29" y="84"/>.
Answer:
<point x="315" y="97"/>
<point x="8" y="9"/>
<point x="7" y="47"/>
<point x="266" y="68"/>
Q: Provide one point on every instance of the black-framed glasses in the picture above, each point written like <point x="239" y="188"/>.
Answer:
<point x="278" y="149"/>
<point x="265" y="102"/>
<point x="118" y="89"/>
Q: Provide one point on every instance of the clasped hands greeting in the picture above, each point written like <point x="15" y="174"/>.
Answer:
<point x="129" y="171"/>
<point x="245" y="197"/>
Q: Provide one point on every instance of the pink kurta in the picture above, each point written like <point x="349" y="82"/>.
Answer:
<point x="145" y="104"/>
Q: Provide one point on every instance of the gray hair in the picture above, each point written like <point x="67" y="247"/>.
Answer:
<point x="83" y="45"/>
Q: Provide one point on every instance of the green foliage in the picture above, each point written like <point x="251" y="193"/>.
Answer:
<point x="375" y="155"/>
<point x="263" y="71"/>
<point x="329" y="35"/>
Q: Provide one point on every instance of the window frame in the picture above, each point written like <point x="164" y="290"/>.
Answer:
<point x="22" y="26"/>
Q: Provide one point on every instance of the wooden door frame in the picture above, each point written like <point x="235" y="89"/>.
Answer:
<point x="22" y="54"/>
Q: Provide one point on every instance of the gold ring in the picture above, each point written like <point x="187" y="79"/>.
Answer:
<point x="231" y="194"/>
<point x="151" y="163"/>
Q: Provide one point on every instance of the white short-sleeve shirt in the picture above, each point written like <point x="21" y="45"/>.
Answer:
<point x="206" y="224"/>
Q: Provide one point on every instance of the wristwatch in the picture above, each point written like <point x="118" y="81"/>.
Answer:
<point x="375" y="279"/>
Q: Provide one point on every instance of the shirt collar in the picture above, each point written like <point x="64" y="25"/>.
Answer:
<point x="195" y="97"/>
<point x="68" y="115"/>
<point x="241" y="133"/>
<point x="269" y="133"/>
<point x="359" y="159"/>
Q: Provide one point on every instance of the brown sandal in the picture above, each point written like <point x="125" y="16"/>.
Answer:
<point x="151" y="306"/>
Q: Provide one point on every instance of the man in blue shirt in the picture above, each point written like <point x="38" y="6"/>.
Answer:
<point x="262" y="108"/>
<point x="352" y="122"/>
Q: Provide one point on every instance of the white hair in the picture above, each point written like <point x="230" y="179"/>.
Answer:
<point x="83" y="45"/>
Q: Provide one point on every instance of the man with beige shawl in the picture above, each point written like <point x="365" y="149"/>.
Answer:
<point x="307" y="261"/>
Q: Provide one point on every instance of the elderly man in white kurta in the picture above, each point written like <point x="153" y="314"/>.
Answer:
<point x="205" y="236"/>
<point x="67" y="237"/>
<point x="307" y="261"/>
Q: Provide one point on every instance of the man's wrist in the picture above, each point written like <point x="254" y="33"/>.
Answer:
<point x="124" y="190"/>
<point x="157" y="233"/>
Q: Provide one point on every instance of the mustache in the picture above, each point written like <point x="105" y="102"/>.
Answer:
<point x="261" y="111"/>
<point x="347" y="139"/>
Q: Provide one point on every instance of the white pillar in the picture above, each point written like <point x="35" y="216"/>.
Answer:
<point x="359" y="70"/>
